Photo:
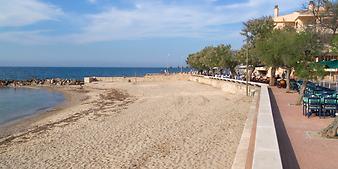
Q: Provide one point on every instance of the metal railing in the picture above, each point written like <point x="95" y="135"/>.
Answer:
<point x="329" y="84"/>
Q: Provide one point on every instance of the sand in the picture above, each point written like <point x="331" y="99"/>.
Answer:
<point x="160" y="124"/>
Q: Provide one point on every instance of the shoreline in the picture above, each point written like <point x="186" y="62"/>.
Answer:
<point x="24" y="123"/>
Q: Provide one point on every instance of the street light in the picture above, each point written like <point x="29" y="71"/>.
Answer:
<point x="247" y="72"/>
<point x="247" y="65"/>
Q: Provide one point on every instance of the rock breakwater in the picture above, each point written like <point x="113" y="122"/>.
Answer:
<point x="40" y="82"/>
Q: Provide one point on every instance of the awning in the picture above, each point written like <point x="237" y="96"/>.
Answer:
<point x="331" y="70"/>
<point x="333" y="64"/>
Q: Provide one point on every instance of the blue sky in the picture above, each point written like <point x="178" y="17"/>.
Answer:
<point x="133" y="33"/>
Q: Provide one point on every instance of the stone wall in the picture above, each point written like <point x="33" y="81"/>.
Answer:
<point x="227" y="86"/>
<point x="152" y="77"/>
<point x="266" y="150"/>
<point x="233" y="86"/>
<point x="266" y="153"/>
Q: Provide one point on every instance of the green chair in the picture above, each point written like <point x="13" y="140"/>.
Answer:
<point x="329" y="106"/>
<point x="313" y="106"/>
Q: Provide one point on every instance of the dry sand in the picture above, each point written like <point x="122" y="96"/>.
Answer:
<point x="163" y="124"/>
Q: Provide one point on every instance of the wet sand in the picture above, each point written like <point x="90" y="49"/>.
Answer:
<point x="160" y="124"/>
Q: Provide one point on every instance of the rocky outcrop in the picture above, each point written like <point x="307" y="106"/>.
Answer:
<point x="40" y="82"/>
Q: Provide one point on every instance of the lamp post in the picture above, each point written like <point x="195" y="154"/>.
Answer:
<point x="182" y="64"/>
<point x="247" y="67"/>
<point x="168" y="57"/>
<point x="247" y="72"/>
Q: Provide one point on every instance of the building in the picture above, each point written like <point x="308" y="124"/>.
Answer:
<point x="298" y="20"/>
<point x="301" y="20"/>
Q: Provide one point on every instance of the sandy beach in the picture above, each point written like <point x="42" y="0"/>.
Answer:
<point x="154" y="124"/>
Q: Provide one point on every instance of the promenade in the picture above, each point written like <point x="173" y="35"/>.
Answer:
<point x="299" y="142"/>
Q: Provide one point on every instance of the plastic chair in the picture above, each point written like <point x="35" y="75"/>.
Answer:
<point x="330" y="106"/>
<point x="305" y="105"/>
<point x="314" y="105"/>
<point x="318" y="92"/>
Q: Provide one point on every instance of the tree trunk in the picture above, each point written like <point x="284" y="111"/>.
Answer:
<point x="301" y="93"/>
<point x="250" y="73"/>
<point x="254" y="68"/>
<point x="272" y="77"/>
<point x="233" y="72"/>
<point x="331" y="131"/>
<point x="288" y="71"/>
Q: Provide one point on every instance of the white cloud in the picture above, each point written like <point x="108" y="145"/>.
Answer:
<point x="29" y="37"/>
<point x="162" y="19"/>
<point x="155" y="18"/>
<point x="92" y="1"/>
<point x="16" y="13"/>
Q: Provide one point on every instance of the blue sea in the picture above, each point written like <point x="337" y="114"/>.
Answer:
<point x="77" y="73"/>
<point x="21" y="102"/>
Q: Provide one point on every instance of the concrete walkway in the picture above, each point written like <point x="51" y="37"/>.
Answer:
<point x="300" y="145"/>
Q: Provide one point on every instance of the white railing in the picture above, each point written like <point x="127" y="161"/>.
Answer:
<point x="329" y="84"/>
<point x="237" y="81"/>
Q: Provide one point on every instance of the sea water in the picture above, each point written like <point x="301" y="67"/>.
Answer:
<point x="77" y="73"/>
<point x="16" y="103"/>
<point x="21" y="102"/>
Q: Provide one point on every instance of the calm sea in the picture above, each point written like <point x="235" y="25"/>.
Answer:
<point x="78" y="73"/>
<point x="17" y="103"/>
<point x="21" y="102"/>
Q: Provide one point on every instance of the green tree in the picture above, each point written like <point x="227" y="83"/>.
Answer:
<point x="253" y="58"/>
<point x="288" y="49"/>
<point x="326" y="16"/>
<point x="270" y="50"/>
<point x="227" y="58"/>
<point x="289" y="52"/>
<point x="194" y="61"/>
<point x="331" y="21"/>
<point x="334" y="44"/>
<point x="254" y="30"/>
<point x="305" y="68"/>
<point x="209" y="57"/>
